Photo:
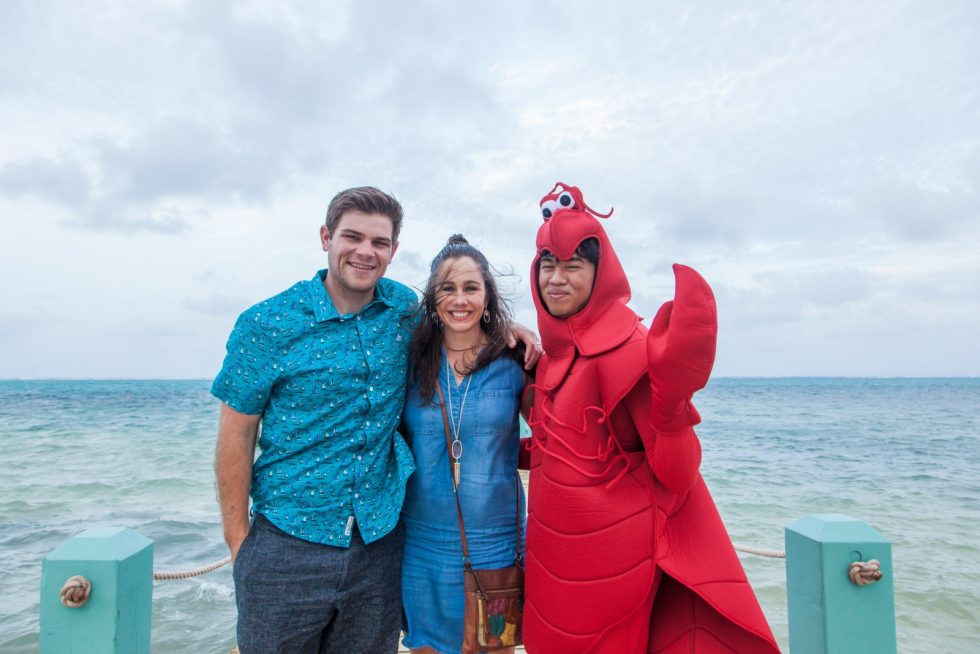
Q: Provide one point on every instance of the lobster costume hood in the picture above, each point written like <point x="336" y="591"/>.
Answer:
<point x="626" y="551"/>
<point x="605" y="322"/>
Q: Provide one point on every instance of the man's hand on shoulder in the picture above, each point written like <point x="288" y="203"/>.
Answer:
<point x="532" y="344"/>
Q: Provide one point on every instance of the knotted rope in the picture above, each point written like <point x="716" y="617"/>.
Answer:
<point x="186" y="574"/>
<point x="76" y="591"/>
<point x="759" y="551"/>
<point x="863" y="573"/>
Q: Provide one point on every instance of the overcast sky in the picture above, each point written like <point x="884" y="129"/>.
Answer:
<point x="164" y="165"/>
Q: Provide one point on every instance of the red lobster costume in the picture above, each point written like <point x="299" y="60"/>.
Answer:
<point x="626" y="552"/>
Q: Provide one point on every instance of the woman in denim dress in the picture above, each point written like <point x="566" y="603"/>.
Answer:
<point x="461" y="345"/>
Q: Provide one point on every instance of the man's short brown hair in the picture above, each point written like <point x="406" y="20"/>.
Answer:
<point x="368" y="200"/>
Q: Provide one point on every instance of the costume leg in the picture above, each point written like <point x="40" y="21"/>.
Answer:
<point x="682" y="622"/>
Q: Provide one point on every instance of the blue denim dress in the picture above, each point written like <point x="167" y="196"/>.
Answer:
<point x="432" y="568"/>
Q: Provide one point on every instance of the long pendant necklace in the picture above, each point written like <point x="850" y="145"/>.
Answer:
<point x="457" y="445"/>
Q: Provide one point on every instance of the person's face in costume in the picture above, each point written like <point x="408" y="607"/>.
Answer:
<point x="461" y="297"/>
<point x="565" y="286"/>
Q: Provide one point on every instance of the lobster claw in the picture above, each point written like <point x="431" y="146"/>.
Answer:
<point x="681" y="347"/>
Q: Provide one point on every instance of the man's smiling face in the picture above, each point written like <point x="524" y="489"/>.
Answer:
<point x="358" y="251"/>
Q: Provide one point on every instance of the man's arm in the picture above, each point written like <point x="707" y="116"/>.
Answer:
<point x="233" y="459"/>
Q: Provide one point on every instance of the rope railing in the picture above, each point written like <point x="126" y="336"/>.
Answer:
<point x="760" y="551"/>
<point x="194" y="572"/>
<point x="860" y="573"/>
<point x="211" y="567"/>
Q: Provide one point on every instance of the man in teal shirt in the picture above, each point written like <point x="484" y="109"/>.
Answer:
<point x="322" y="366"/>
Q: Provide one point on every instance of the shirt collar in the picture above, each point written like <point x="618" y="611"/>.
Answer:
<point x="324" y="308"/>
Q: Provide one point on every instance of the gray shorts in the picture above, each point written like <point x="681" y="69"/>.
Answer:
<point x="297" y="596"/>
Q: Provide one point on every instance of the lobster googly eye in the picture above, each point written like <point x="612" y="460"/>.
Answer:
<point x="549" y="208"/>
<point x="566" y="201"/>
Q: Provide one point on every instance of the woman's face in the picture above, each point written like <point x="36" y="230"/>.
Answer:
<point x="565" y="286"/>
<point x="461" y="296"/>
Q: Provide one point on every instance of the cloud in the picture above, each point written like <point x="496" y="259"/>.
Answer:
<point x="329" y="97"/>
<point x="410" y="262"/>
<point x="959" y="286"/>
<point x="204" y="276"/>
<point x="182" y="157"/>
<point x="791" y="296"/>
<point x="216" y="304"/>
<point x="17" y="325"/>
<point x="687" y="211"/>
<point x="63" y="182"/>
<point x="140" y="184"/>
<point x="915" y="213"/>
<point x="67" y="184"/>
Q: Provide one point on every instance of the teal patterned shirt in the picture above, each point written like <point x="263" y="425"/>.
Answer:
<point x="330" y="389"/>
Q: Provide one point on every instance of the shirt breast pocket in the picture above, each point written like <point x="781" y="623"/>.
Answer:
<point x="496" y="412"/>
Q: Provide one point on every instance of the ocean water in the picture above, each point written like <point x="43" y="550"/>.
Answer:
<point x="901" y="454"/>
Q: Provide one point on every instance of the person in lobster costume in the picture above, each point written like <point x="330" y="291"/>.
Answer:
<point x="626" y="551"/>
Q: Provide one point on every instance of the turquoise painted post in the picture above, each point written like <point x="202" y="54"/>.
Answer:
<point x="829" y="614"/>
<point x="116" y="617"/>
